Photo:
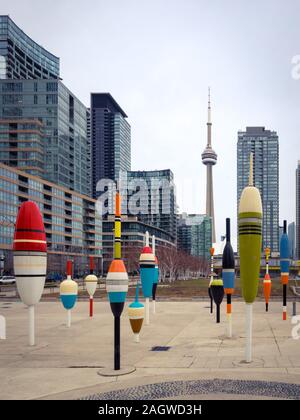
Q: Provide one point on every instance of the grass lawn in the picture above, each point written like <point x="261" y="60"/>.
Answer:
<point x="198" y="287"/>
<point x="187" y="289"/>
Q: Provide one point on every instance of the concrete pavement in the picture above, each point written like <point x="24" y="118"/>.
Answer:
<point x="64" y="363"/>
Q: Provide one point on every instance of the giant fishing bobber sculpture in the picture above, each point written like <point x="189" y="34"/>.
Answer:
<point x="147" y="273"/>
<point x="30" y="258"/>
<point x="136" y="313"/>
<point x="156" y="275"/>
<point x="117" y="283"/>
<point x="217" y="291"/>
<point x="250" y="242"/>
<point x="212" y="251"/>
<point x="91" y="282"/>
<point x="267" y="280"/>
<point x="228" y="275"/>
<point x="68" y="291"/>
<point x="284" y="266"/>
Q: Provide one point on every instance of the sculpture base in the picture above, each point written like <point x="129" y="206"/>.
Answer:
<point x="255" y="363"/>
<point x="111" y="372"/>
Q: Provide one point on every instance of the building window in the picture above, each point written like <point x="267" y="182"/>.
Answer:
<point x="51" y="99"/>
<point x="51" y="87"/>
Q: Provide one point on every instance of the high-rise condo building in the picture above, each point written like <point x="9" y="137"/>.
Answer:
<point x="73" y="226"/>
<point x="110" y="139"/>
<point x="265" y="148"/>
<point x="44" y="131"/>
<point x="22" y="144"/>
<point x="21" y="57"/>
<point x="89" y="146"/>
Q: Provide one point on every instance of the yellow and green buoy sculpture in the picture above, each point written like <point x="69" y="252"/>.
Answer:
<point x="250" y="242"/>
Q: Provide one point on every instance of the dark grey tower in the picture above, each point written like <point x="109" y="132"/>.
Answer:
<point x="110" y="139"/>
<point x="209" y="158"/>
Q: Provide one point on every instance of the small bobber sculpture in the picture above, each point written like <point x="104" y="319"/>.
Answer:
<point x="228" y="275"/>
<point x="136" y="314"/>
<point x="117" y="284"/>
<point x="250" y="239"/>
<point x="212" y="251"/>
<point x="156" y="275"/>
<point x="68" y="292"/>
<point x="91" y="282"/>
<point x="267" y="280"/>
<point x="30" y="258"/>
<point x="147" y="269"/>
<point x="217" y="291"/>
<point x="284" y="267"/>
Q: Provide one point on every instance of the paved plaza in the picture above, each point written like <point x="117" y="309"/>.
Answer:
<point x="201" y="362"/>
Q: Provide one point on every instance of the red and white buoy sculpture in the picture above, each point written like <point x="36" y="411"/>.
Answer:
<point x="30" y="258"/>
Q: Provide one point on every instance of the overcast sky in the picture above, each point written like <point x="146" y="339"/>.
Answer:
<point x="158" y="57"/>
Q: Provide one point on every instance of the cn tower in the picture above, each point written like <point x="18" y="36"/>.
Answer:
<point x="209" y="158"/>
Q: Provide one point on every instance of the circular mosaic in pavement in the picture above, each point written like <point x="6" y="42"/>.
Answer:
<point x="166" y="390"/>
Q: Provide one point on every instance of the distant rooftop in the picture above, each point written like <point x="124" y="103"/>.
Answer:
<point x="257" y="131"/>
<point x="14" y="31"/>
<point x="105" y="100"/>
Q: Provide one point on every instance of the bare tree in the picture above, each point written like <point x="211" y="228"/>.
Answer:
<point x="176" y="264"/>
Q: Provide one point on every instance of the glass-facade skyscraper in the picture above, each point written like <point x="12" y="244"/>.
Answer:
<point x="110" y="139"/>
<point x="23" y="58"/>
<point x="265" y="147"/>
<point x="21" y="144"/>
<point x="194" y="234"/>
<point x="64" y="150"/>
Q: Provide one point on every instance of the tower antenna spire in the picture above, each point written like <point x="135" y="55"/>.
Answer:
<point x="209" y="123"/>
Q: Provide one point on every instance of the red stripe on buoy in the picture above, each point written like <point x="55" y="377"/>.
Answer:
<point x="29" y="229"/>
